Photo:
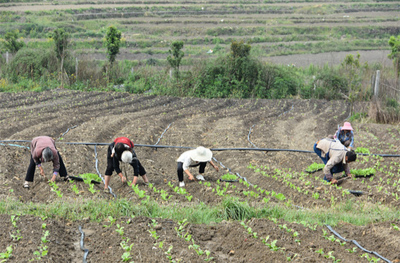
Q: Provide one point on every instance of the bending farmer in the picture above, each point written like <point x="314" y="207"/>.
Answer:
<point x="43" y="149"/>
<point x="121" y="149"/>
<point x="197" y="157"/>
<point x="335" y="156"/>
<point x="345" y="135"/>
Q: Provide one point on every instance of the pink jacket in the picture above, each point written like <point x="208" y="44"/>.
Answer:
<point x="38" y="144"/>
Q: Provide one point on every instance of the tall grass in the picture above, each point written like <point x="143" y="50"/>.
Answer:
<point x="353" y="212"/>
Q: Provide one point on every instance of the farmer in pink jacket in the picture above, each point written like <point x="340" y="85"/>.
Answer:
<point x="43" y="149"/>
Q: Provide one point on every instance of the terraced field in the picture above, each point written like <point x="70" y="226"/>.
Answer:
<point x="279" y="32"/>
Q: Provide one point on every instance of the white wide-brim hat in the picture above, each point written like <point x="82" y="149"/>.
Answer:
<point x="201" y="154"/>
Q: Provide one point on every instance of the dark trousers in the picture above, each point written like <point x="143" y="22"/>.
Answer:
<point x="113" y="163"/>
<point x="338" y="168"/>
<point x="202" y="166"/>
<point x="32" y="166"/>
<point x="110" y="167"/>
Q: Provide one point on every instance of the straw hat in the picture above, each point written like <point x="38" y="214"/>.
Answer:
<point x="347" y="126"/>
<point x="201" y="154"/>
<point x="126" y="157"/>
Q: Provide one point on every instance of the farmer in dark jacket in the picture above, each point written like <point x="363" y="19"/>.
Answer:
<point x="121" y="149"/>
<point x="345" y="135"/>
<point x="43" y="149"/>
<point x="335" y="156"/>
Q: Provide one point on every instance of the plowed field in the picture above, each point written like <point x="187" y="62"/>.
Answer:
<point x="274" y="178"/>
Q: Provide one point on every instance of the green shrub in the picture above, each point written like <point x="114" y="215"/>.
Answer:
<point x="32" y="64"/>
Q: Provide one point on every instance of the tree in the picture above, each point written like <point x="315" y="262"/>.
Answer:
<point x="61" y="41"/>
<point x="112" y="42"/>
<point x="395" y="53"/>
<point x="11" y="43"/>
<point x="352" y="72"/>
<point x="176" y="56"/>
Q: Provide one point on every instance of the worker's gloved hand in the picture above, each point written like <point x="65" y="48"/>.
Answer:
<point x="334" y="181"/>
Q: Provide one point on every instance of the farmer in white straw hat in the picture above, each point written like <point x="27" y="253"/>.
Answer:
<point x="197" y="157"/>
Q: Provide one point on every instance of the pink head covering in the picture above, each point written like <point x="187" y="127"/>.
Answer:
<point x="347" y="126"/>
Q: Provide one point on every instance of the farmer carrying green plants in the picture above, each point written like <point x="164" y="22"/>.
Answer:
<point x="43" y="149"/>
<point x="121" y="149"/>
<point x="335" y="156"/>
<point x="197" y="157"/>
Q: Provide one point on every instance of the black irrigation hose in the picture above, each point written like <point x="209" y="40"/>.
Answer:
<point x="73" y="127"/>
<point x="82" y="246"/>
<point x="248" y="137"/>
<point x="283" y="113"/>
<point x="14" y="145"/>
<point x="212" y="149"/>
<point x="163" y="134"/>
<point x="98" y="172"/>
<point x="358" y="245"/>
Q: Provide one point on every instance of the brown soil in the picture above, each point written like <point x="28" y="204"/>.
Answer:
<point x="219" y="123"/>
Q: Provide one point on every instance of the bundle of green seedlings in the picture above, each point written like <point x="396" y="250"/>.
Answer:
<point x="315" y="167"/>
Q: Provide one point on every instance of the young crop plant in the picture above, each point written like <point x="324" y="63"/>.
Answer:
<point x="126" y="256"/>
<point x="43" y="248"/>
<point x="362" y="150"/>
<point x="370" y="259"/>
<point x="140" y="193"/>
<point x="152" y="231"/>
<point x="164" y="195"/>
<point x="329" y="255"/>
<point x="352" y="250"/>
<point x="120" y="230"/>
<point x="54" y="188"/>
<point x="181" y="227"/>
<point x="229" y="177"/>
<point x="111" y="220"/>
<point x="315" y="195"/>
<point x="6" y="255"/>
<point x="15" y="233"/>
<point x="200" y="252"/>
<point x="272" y="246"/>
<point x="75" y="189"/>
<point x="363" y="172"/>
<point x="315" y="167"/>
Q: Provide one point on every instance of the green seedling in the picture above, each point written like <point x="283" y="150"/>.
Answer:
<point x="154" y="234"/>
<point x="315" y="167"/>
<point x="164" y="195"/>
<point x="208" y="258"/>
<point x="229" y="177"/>
<point x="45" y="235"/>
<point x="125" y="246"/>
<point x="352" y="250"/>
<point x="112" y="221"/>
<point x="126" y="256"/>
<point x="188" y="237"/>
<point x="75" y="189"/>
<point x="120" y="230"/>
<point x="6" y="255"/>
